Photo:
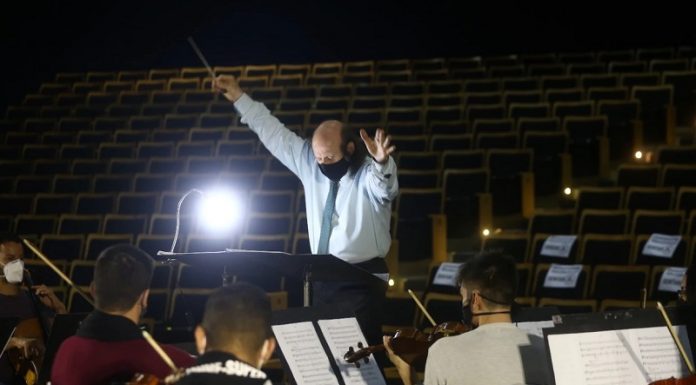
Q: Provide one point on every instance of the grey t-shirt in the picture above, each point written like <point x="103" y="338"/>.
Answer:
<point x="492" y="354"/>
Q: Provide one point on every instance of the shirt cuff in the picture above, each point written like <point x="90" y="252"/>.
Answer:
<point x="387" y="168"/>
<point x="243" y="103"/>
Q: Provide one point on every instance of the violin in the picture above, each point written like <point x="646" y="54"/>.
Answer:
<point x="149" y="379"/>
<point x="409" y="343"/>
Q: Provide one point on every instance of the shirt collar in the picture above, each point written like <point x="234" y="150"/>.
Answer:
<point x="107" y="327"/>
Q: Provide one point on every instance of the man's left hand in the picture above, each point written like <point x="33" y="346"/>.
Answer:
<point x="402" y="367"/>
<point x="378" y="148"/>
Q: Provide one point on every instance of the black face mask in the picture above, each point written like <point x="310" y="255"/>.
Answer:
<point x="335" y="171"/>
<point x="467" y="314"/>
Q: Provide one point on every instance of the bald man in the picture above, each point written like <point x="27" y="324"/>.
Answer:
<point x="348" y="196"/>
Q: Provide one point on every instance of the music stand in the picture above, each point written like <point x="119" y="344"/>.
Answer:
<point x="303" y="267"/>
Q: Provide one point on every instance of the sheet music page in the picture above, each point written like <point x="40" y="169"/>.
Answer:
<point x="340" y="334"/>
<point x="628" y="356"/>
<point x="304" y="354"/>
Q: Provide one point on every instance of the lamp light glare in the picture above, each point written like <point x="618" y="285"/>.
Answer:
<point x="219" y="210"/>
<point x="638" y="155"/>
<point x="567" y="191"/>
<point x="486" y="232"/>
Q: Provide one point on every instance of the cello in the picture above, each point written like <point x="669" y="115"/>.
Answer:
<point x="30" y="335"/>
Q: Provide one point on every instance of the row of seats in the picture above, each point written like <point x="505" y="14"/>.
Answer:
<point x="594" y="282"/>
<point x="590" y="249"/>
<point x="602" y="221"/>
<point x="257" y="231"/>
<point x="495" y="66"/>
<point x="376" y="111"/>
<point x="128" y="203"/>
<point x="612" y="86"/>
<point x="635" y="198"/>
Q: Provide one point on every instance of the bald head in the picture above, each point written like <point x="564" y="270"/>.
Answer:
<point x="327" y="142"/>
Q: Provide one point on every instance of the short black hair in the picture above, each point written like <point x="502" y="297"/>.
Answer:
<point x="122" y="273"/>
<point x="6" y="237"/>
<point x="493" y="274"/>
<point x="237" y="315"/>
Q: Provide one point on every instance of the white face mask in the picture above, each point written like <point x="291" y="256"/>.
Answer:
<point x="14" y="271"/>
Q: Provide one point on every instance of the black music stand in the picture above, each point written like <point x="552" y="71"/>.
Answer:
<point x="306" y="268"/>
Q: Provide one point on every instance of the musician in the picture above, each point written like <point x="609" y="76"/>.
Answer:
<point x="495" y="352"/>
<point x="16" y="302"/>
<point x="234" y="339"/>
<point x="348" y="197"/>
<point x="109" y="346"/>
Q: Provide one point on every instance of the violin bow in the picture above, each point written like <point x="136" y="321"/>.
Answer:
<point x="421" y="307"/>
<point x="158" y="349"/>
<point x="682" y="352"/>
<point x="53" y="267"/>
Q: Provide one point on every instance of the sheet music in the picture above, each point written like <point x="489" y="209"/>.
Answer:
<point x="628" y="356"/>
<point x="304" y="354"/>
<point x="340" y="334"/>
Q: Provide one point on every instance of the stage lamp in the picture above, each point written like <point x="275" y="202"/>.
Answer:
<point x="638" y="155"/>
<point x="567" y="191"/>
<point x="218" y="211"/>
<point x="391" y="282"/>
<point x="486" y="232"/>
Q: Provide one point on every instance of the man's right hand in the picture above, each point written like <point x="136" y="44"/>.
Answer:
<point x="228" y="85"/>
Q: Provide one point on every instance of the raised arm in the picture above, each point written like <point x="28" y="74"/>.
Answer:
<point x="289" y="148"/>
<point x="382" y="181"/>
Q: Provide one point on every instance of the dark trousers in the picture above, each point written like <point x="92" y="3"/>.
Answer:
<point x="365" y="299"/>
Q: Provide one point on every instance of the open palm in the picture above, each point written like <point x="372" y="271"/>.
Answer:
<point x="378" y="147"/>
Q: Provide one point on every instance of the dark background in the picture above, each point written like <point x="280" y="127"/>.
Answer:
<point x="40" y="38"/>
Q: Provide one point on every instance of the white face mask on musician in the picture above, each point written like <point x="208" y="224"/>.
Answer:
<point x="14" y="271"/>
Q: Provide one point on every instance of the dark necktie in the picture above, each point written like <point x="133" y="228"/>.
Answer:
<point x="326" y="219"/>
